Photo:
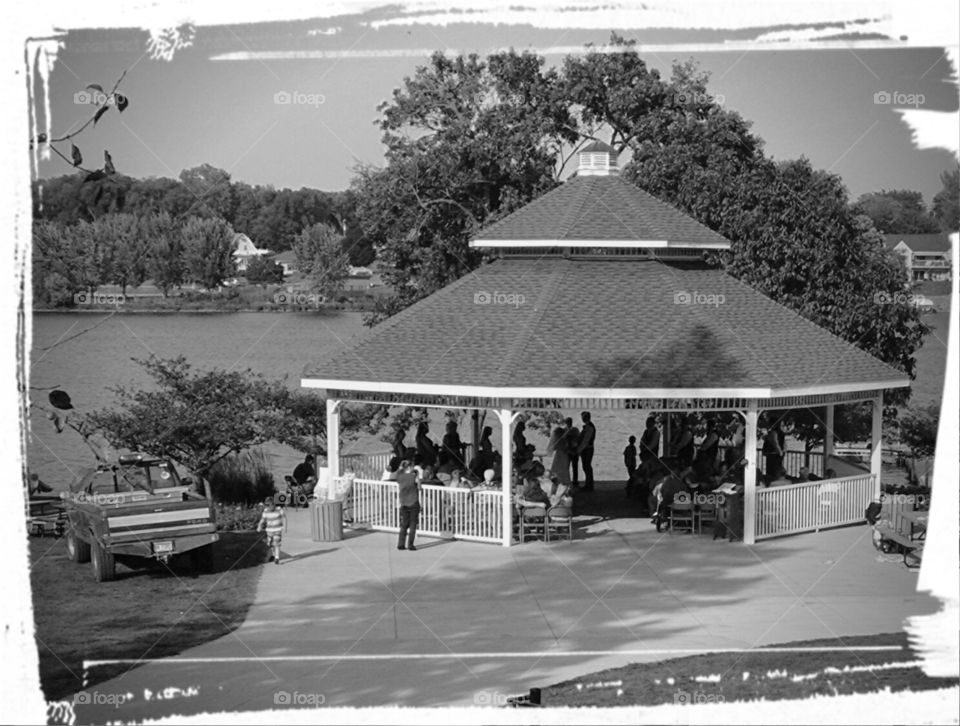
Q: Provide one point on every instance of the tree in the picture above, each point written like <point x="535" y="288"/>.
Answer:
<point x="918" y="430"/>
<point x="165" y="252"/>
<point x="899" y="211"/>
<point x="321" y="258"/>
<point x="467" y="142"/>
<point x="195" y="417"/>
<point x="211" y="191"/>
<point x="946" y="203"/>
<point x="126" y="248"/>
<point x="263" y="270"/>
<point x="208" y="246"/>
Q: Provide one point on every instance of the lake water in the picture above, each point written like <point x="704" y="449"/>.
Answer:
<point x="277" y="345"/>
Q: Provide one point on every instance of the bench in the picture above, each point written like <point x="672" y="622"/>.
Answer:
<point x="912" y="550"/>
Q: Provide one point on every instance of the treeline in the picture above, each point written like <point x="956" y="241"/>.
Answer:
<point x="270" y="217"/>
<point x="126" y="249"/>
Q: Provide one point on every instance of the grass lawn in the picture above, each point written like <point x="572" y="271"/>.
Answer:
<point x="728" y="677"/>
<point x="931" y="361"/>
<point x="150" y="612"/>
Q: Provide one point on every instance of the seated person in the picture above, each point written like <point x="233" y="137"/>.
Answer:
<point x="488" y="481"/>
<point x="830" y="474"/>
<point x="305" y="475"/>
<point x="560" y="492"/>
<point x="672" y="485"/>
<point x="534" y="493"/>
<point x="805" y="475"/>
<point x="37" y="486"/>
<point x="429" y="476"/>
<point x="781" y="479"/>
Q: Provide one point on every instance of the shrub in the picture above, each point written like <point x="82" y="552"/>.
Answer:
<point x="237" y="517"/>
<point x="243" y="478"/>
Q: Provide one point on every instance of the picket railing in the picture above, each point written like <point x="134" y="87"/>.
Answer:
<point x="444" y="511"/>
<point x="811" y="506"/>
<point x="365" y="466"/>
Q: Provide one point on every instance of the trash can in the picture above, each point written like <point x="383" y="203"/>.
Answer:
<point x="326" y="522"/>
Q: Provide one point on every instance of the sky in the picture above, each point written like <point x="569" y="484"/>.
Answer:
<point x="216" y="100"/>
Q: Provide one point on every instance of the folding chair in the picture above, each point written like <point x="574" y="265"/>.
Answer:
<point x="681" y="513"/>
<point x="705" y="514"/>
<point x="560" y="519"/>
<point x="533" y="520"/>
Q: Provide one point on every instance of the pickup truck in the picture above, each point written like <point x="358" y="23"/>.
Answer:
<point x="138" y="508"/>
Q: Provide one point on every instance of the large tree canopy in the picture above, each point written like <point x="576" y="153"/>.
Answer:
<point x="469" y="141"/>
<point x="900" y="211"/>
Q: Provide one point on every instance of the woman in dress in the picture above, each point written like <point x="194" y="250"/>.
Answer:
<point x="560" y="467"/>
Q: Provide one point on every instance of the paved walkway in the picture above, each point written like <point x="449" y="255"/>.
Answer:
<point x="359" y="623"/>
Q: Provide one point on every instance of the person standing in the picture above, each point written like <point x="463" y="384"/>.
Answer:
<point x="772" y="452"/>
<point x="572" y="439"/>
<point x="560" y="468"/>
<point x="588" y="436"/>
<point x="452" y="450"/>
<point x="682" y="445"/>
<point x="630" y="459"/>
<point x="707" y="454"/>
<point x="408" y="489"/>
<point x="426" y="450"/>
<point x="399" y="447"/>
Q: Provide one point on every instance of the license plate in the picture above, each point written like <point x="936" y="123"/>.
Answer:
<point x="163" y="546"/>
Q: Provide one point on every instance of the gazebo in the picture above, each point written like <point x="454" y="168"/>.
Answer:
<point x="599" y="298"/>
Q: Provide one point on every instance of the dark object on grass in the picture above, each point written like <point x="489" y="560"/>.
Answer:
<point x="60" y="399"/>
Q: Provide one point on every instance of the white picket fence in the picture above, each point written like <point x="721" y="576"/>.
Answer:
<point x="444" y="511"/>
<point x="811" y="506"/>
<point x="366" y="466"/>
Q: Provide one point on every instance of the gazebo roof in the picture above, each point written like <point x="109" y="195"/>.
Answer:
<point x="601" y="210"/>
<point x="603" y="327"/>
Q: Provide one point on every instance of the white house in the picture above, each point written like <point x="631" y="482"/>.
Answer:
<point x="926" y="256"/>
<point x="245" y="250"/>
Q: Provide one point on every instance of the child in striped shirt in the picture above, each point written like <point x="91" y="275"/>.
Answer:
<point x="274" y="521"/>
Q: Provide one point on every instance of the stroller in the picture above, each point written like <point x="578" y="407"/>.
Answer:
<point x="295" y="495"/>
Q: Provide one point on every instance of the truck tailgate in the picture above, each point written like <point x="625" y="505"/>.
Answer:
<point x="156" y="519"/>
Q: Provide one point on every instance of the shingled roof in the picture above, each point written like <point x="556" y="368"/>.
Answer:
<point x="604" y="209"/>
<point x="588" y="324"/>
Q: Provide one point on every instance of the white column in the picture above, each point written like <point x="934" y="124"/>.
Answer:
<point x="876" y="444"/>
<point x="828" y="440"/>
<point x="506" y="416"/>
<point x="750" y="474"/>
<point x="333" y="439"/>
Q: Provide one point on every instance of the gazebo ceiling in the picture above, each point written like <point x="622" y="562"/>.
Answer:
<point x="600" y="327"/>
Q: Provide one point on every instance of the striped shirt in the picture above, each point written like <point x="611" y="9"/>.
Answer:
<point x="273" y="520"/>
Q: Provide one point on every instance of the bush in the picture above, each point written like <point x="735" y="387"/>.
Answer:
<point x="237" y="517"/>
<point x="243" y="478"/>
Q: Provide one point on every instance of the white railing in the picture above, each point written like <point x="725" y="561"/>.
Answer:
<point x="811" y="506"/>
<point x="365" y="466"/>
<point x="444" y="511"/>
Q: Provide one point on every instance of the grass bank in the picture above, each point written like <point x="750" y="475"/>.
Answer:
<point x="151" y="612"/>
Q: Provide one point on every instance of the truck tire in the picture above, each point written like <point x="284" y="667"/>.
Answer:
<point x="104" y="564"/>
<point x="77" y="549"/>
<point x="202" y="559"/>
